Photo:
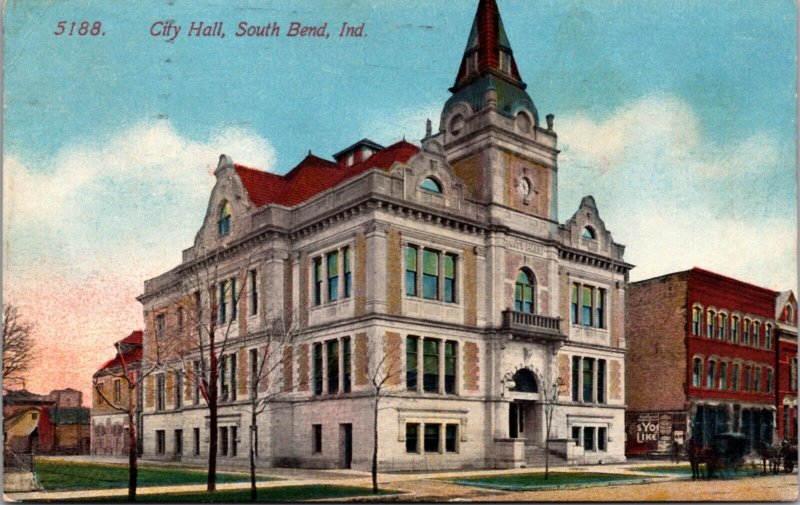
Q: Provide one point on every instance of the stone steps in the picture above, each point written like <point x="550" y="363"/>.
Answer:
<point x="535" y="457"/>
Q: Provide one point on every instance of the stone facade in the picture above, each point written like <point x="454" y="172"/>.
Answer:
<point x="442" y="269"/>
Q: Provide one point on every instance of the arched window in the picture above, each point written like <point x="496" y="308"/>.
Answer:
<point x="697" y="316"/>
<point x="756" y="334"/>
<point x="697" y="372"/>
<point x="723" y="375"/>
<point x="523" y="293"/>
<point x="722" y="325"/>
<point x="525" y="381"/>
<point x="768" y="336"/>
<point x="224" y="223"/>
<point x="746" y="332"/>
<point x="589" y="233"/>
<point x="735" y="329"/>
<point x="710" y="374"/>
<point x="789" y="311"/>
<point x="710" y="317"/>
<point x="432" y="185"/>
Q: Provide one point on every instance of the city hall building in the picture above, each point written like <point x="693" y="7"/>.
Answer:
<point x="441" y="269"/>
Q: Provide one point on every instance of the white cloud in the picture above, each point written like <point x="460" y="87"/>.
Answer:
<point x="678" y="200"/>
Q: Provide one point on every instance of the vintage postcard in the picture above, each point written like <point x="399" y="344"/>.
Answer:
<point x="416" y="251"/>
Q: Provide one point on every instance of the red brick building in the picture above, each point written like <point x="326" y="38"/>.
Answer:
<point x="786" y="359"/>
<point x="702" y="351"/>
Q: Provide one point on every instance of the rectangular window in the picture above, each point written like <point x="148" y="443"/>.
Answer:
<point x="160" y="326"/>
<point x="757" y="380"/>
<point x="576" y="435"/>
<point x="254" y="372"/>
<point x="432" y="435"/>
<point x="196" y="441"/>
<point x="710" y="374"/>
<point x="602" y="441"/>
<point x="347" y="357"/>
<point x="178" y="391"/>
<point x="735" y="377"/>
<point x="234" y="300"/>
<point x="222" y="308"/>
<point x="587" y="307"/>
<point x="601" y="381"/>
<point x="223" y="378"/>
<point x="348" y="274"/>
<point x="253" y="293"/>
<point x="178" y="446"/>
<point x="574" y="306"/>
<point x="430" y="275"/>
<point x="411" y="362"/>
<point x="588" y="439"/>
<point x="223" y="441"/>
<point x="234" y="440"/>
<point x="449" y="278"/>
<point x="588" y="379"/>
<point x="316" y="438"/>
<point x="333" y="366"/>
<point x="412" y="437"/>
<point x="411" y="271"/>
<point x="233" y="376"/>
<point x="576" y="375"/>
<point x="450" y="367"/>
<point x="599" y="309"/>
<point x="430" y="359"/>
<point x="451" y="438"/>
<point x="161" y="394"/>
<point x="161" y="442"/>
<point x="317" y="281"/>
<point x="723" y="375"/>
<point x="317" y="369"/>
<point x="333" y="276"/>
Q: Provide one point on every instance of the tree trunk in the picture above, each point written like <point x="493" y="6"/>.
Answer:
<point x="549" y="421"/>
<point x="375" y="449"/>
<point x="253" y="491"/>
<point x="213" y="405"/>
<point x="133" y="468"/>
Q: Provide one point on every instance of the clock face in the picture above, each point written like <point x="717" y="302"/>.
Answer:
<point x="524" y="187"/>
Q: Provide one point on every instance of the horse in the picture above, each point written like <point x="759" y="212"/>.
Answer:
<point x="699" y="455"/>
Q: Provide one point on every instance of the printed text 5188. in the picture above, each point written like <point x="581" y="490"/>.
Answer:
<point x="81" y="29"/>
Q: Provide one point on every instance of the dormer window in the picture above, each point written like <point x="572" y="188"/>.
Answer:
<point x="589" y="233"/>
<point x="432" y="185"/>
<point x="224" y="223"/>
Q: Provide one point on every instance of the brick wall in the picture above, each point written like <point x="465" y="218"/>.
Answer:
<point x="242" y="371"/>
<point x="361" y="359"/>
<point x="150" y="392"/>
<point x="470" y="287"/>
<point x="360" y="274"/>
<point x="615" y="380"/>
<point x="243" y="306"/>
<point x="539" y="176"/>
<point x="188" y="384"/>
<point x="394" y="359"/>
<point x="288" y="368"/>
<point x="394" y="272"/>
<point x="170" y="389"/>
<point x="303" y="368"/>
<point x="656" y="324"/>
<point x="617" y="326"/>
<point x="470" y="170"/>
<point x="471" y="366"/>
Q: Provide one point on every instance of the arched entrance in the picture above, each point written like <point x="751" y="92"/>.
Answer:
<point x="522" y="409"/>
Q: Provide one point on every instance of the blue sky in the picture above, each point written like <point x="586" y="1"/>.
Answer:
<point x="679" y="116"/>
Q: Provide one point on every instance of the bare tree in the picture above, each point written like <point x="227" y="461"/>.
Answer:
<point x="17" y="345"/>
<point x="132" y="375"/>
<point x="550" y="390"/>
<point x="385" y="369"/>
<point x="266" y="380"/>
<point x="207" y="338"/>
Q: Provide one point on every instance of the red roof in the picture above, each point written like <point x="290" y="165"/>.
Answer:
<point x="314" y="175"/>
<point x="130" y="356"/>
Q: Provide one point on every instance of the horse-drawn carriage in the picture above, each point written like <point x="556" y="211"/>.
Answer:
<point x="724" y="453"/>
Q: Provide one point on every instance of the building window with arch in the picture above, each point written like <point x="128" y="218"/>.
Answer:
<point x="735" y="377"/>
<point x="757" y="380"/>
<point x="768" y="336"/>
<point x="697" y="372"/>
<point x="746" y="332"/>
<point x="589" y="233"/>
<point x="735" y="329"/>
<point x="789" y="313"/>
<point x="723" y="375"/>
<point x="523" y="293"/>
<point x="697" y="317"/>
<point x="722" y="325"/>
<point x="711" y="316"/>
<point x="746" y="382"/>
<point x="432" y="185"/>
<point x="756" y="334"/>
<point x="224" y="222"/>
<point x="710" y="374"/>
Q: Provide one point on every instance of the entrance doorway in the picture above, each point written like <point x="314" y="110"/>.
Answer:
<point x="345" y="445"/>
<point x="521" y="420"/>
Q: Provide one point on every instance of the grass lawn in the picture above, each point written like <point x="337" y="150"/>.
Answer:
<point x="686" y="471"/>
<point x="271" y="495"/>
<point x="528" y="481"/>
<point x="64" y="475"/>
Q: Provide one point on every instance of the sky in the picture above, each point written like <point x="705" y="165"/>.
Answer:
<point x="677" y="116"/>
